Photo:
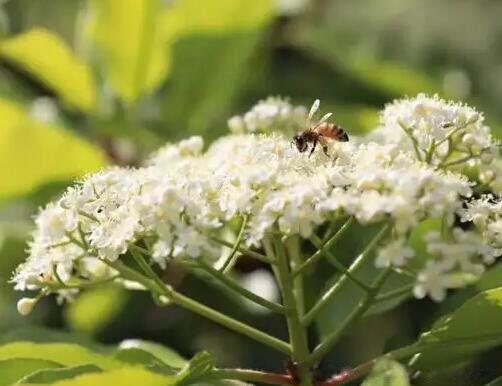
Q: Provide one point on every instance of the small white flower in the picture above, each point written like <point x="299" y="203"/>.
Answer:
<point x="395" y="253"/>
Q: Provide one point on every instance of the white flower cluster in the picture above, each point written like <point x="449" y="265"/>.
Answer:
<point x="443" y="134"/>
<point x="271" y="114"/>
<point x="183" y="194"/>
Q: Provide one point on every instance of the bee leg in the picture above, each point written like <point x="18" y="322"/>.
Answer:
<point x="324" y="144"/>
<point x="313" y="147"/>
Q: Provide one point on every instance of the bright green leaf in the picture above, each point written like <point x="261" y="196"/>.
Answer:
<point x="132" y="376"/>
<point x="62" y="353"/>
<point x="474" y="327"/>
<point x="166" y="355"/>
<point x="95" y="308"/>
<point x="11" y="370"/>
<point x="201" y="364"/>
<point x="136" y="356"/>
<point x="33" y="153"/>
<point x="387" y="373"/>
<point x="131" y="46"/>
<point x="47" y="57"/>
<point x="52" y="375"/>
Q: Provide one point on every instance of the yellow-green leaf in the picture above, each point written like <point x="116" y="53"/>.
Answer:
<point x="47" y="57"/>
<point x="65" y="354"/>
<point x="33" y="153"/>
<point x="130" y="44"/>
<point x="387" y="373"/>
<point x="133" y="376"/>
<point x="93" y="309"/>
<point x="11" y="370"/>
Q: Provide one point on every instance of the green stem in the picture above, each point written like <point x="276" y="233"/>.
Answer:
<point x="232" y="257"/>
<point x="297" y="333"/>
<point x="235" y="287"/>
<point x="294" y="252"/>
<point x="331" y="292"/>
<point x="328" y="245"/>
<point x="199" y="308"/>
<point x="339" y="266"/>
<point x="323" y="348"/>
<point x="248" y="252"/>
<point x="398" y="292"/>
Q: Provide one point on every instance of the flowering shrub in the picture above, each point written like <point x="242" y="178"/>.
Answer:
<point x="251" y="193"/>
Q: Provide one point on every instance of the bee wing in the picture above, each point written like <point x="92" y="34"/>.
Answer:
<point x="325" y="117"/>
<point x="314" y="108"/>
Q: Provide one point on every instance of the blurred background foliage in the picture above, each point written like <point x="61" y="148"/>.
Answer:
<point x="84" y="84"/>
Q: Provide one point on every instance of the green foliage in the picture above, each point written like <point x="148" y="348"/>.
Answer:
<point x="54" y="153"/>
<point x="93" y="309"/>
<point x="474" y="327"/>
<point x="48" y="375"/>
<point x="387" y="373"/>
<point x="11" y="370"/>
<point x="130" y="44"/>
<point x="46" y="57"/>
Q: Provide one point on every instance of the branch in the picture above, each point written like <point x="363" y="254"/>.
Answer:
<point x="251" y="376"/>
<point x="235" y="287"/>
<point x="358" y="311"/>
<point x="248" y="252"/>
<point x="328" y="245"/>
<point x="199" y="308"/>
<point x="358" y="262"/>
<point x="230" y="261"/>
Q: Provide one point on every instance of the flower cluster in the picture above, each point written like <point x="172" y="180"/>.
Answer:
<point x="271" y="114"/>
<point x="443" y="134"/>
<point x="182" y="196"/>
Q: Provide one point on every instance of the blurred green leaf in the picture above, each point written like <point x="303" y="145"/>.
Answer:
<point x="474" y="327"/>
<point x="136" y="356"/>
<point x="130" y="44"/>
<point x="495" y="382"/>
<point x="33" y="153"/>
<point x="95" y="308"/>
<point x="201" y="364"/>
<point x="53" y="375"/>
<point x="47" y="57"/>
<point x="11" y="370"/>
<point x="165" y="354"/>
<point x="387" y="373"/>
<point x="133" y="376"/>
<point x="63" y="353"/>
<point x="210" y="48"/>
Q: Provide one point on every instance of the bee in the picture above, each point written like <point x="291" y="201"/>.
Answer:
<point x="319" y="132"/>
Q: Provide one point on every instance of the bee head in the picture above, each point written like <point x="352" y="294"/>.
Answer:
<point x="344" y="137"/>
<point x="300" y="143"/>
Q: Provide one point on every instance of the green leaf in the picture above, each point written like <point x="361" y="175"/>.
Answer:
<point x="131" y="46"/>
<point x="387" y="373"/>
<point x="137" y="356"/>
<point x="47" y="57"/>
<point x="201" y="364"/>
<point x="210" y="50"/>
<point x="132" y="376"/>
<point x="62" y="353"/>
<point x="52" y="375"/>
<point x="495" y="382"/>
<point x="166" y="355"/>
<point x="33" y="153"/>
<point x="95" y="308"/>
<point x="11" y="370"/>
<point x="474" y="327"/>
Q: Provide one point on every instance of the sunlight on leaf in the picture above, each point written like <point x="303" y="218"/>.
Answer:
<point x="130" y="45"/>
<point x="33" y="153"/>
<point x="61" y="353"/>
<point x="12" y="370"/>
<point x="49" y="375"/>
<point x="133" y="376"/>
<point x="95" y="308"/>
<point x="47" y="57"/>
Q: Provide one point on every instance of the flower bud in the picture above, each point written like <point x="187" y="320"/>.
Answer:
<point x="26" y="305"/>
<point x="487" y="176"/>
<point x="486" y="157"/>
<point x="468" y="139"/>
